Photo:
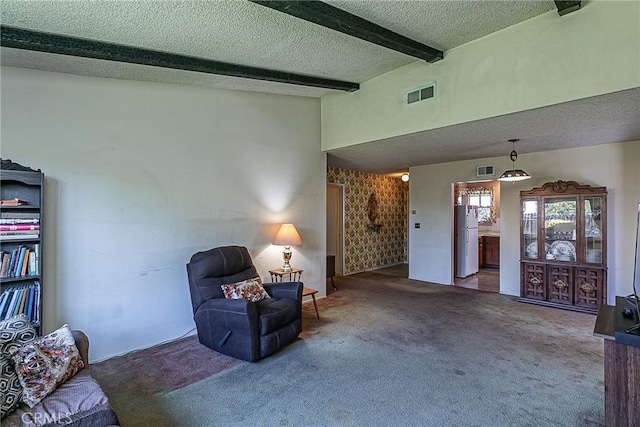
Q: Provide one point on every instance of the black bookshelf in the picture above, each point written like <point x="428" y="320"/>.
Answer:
<point x="21" y="242"/>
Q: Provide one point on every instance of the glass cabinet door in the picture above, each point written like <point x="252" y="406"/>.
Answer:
<point x="593" y="230"/>
<point x="560" y="228"/>
<point x="530" y="228"/>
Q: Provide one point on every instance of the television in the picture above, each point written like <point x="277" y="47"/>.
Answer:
<point x="633" y="298"/>
<point x="627" y="329"/>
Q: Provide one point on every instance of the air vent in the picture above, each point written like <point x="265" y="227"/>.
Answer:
<point x="487" y="170"/>
<point x="421" y="94"/>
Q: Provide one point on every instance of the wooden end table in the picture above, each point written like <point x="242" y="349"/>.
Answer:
<point x="294" y="276"/>
<point x="312" y="293"/>
<point x="278" y="273"/>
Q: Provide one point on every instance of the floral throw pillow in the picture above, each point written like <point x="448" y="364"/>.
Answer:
<point x="46" y="363"/>
<point x="14" y="332"/>
<point x="250" y="289"/>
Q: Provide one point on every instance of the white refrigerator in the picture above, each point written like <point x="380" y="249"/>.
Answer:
<point x="466" y="240"/>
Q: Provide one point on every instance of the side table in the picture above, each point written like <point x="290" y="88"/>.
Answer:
<point x="311" y="292"/>
<point x="294" y="274"/>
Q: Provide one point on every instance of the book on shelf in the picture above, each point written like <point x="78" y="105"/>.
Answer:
<point x="29" y="310"/>
<point x="36" y="315"/>
<point x="6" y="257"/>
<point x="33" y="232"/>
<point x="21" y="236"/>
<point x="22" y="261"/>
<point x="4" y="301"/>
<point x="14" y="261"/>
<point x="20" y="303"/>
<point x="13" y="202"/>
<point x="19" y="221"/>
<point x="20" y="227"/>
<point x="19" y="215"/>
<point x="25" y="263"/>
<point x="33" y="267"/>
<point x="15" y="258"/>
<point x="36" y="258"/>
<point x="4" y="304"/>
<point x="24" y="299"/>
<point x="12" y="304"/>
<point x="18" y="271"/>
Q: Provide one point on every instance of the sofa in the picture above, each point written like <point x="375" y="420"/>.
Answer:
<point x="78" y="402"/>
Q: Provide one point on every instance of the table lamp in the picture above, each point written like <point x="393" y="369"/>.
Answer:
<point x="287" y="236"/>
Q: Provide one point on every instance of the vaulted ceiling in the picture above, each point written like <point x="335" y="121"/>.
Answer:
<point x="267" y="47"/>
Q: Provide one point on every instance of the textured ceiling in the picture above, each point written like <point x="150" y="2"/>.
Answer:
<point x="598" y="120"/>
<point x="241" y="32"/>
<point x="245" y="33"/>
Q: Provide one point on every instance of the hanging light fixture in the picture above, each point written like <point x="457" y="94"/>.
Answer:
<point x="514" y="174"/>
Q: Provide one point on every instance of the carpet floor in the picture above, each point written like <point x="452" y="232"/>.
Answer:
<point x="386" y="351"/>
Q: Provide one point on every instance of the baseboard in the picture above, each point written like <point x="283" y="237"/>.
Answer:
<point x="123" y="353"/>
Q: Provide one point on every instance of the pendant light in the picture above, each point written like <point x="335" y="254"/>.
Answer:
<point x="514" y="174"/>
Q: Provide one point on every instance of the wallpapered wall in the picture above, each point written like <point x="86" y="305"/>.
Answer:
<point x="364" y="248"/>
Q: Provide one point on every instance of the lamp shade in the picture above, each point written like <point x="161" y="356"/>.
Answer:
<point x="287" y="235"/>
<point x="514" y="175"/>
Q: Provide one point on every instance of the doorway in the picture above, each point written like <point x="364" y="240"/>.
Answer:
<point x="484" y="197"/>
<point x="335" y="224"/>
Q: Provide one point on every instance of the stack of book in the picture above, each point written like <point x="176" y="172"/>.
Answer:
<point x="22" y="261"/>
<point x="13" y="202"/>
<point x="21" y="299"/>
<point x="19" y="225"/>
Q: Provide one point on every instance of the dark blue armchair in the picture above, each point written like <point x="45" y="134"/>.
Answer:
<point x="237" y="327"/>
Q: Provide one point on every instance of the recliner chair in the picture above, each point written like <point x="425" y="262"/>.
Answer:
<point x="238" y="327"/>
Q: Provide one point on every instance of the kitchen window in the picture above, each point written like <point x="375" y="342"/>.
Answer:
<point x="482" y="197"/>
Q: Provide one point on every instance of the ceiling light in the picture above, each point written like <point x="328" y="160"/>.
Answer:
<point x="514" y="174"/>
<point x="405" y="177"/>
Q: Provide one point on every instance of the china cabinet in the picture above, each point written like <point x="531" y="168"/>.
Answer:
<point x="563" y="255"/>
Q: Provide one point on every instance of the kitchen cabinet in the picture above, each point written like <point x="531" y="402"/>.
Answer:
<point x="481" y="251"/>
<point x="563" y="244"/>
<point x="491" y="246"/>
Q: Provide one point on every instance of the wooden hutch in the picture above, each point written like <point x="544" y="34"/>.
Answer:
<point x="563" y="246"/>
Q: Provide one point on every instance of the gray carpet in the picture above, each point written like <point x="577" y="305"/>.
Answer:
<point x="389" y="351"/>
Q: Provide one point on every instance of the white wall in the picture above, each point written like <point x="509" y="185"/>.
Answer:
<point x="139" y="176"/>
<point x="614" y="166"/>
<point x="543" y="61"/>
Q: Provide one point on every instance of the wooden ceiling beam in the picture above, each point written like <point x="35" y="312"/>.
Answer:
<point x="337" y="19"/>
<point x="73" y="46"/>
<point x="565" y="7"/>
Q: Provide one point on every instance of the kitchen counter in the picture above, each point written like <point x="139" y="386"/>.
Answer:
<point x="489" y="233"/>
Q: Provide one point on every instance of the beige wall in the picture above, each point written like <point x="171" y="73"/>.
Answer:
<point x="543" y="61"/>
<point x="139" y="176"/>
<point x="613" y="165"/>
<point x="364" y="248"/>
